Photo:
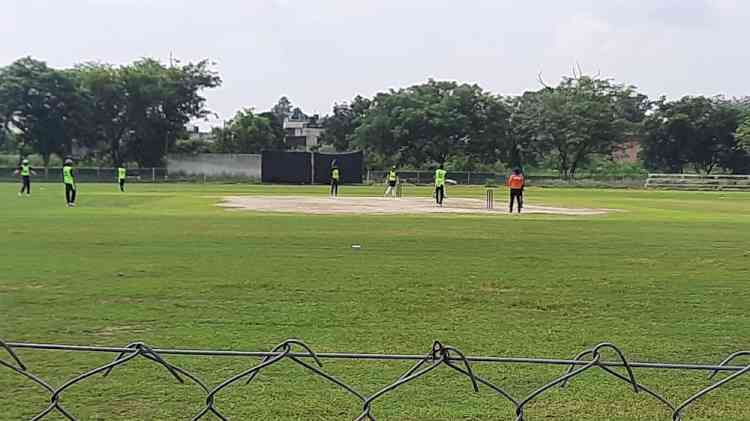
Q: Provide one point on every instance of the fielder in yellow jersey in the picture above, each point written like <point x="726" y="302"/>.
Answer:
<point x="335" y="179"/>
<point x="440" y="174"/>
<point x="26" y="172"/>
<point x="70" y="183"/>
<point x="122" y="174"/>
<point x="391" y="180"/>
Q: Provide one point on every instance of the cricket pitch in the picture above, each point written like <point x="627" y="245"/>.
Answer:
<point x="381" y="205"/>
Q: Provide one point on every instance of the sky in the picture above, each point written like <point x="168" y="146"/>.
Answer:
<point x="321" y="52"/>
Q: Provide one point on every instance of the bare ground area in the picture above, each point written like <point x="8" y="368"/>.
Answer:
<point x="380" y="205"/>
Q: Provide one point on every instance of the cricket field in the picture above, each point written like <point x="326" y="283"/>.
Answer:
<point x="664" y="277"/>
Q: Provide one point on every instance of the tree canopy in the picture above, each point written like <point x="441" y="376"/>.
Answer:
<point x="138" y="113"/>
<point x="43" y="105"/>
<point x="432" y="123"/>
<point x="579" y="117"/>
<point x="247" y="132"/>
<point x="134" y="112"/>
<point x="697" y="131"/>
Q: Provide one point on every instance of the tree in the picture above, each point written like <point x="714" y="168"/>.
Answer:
<point x="741" y="162"/>
<point x="520" y="149"/>
<point x="43" y="105"/>
<point x="743" y="130"/>
<point x="277" y="126"/>
<point x="715" y="144"/>
<point x="247" y="132"/>
<point x="133" y="112"/>
<point x="664" y="146"/>
<point x="431" y="123"/>
<point x="109" y="123"/>
<point x="192" y="146"/>
<point x="743" y="133"/>
<point x="339" y="127"/>
<point x="697" y="131"/>
<point x="282" y="109"/>
<point x="5" y="139"/>
<point x="160" y="101"/>
<point x="344" y="120"/>
<point x="581" y="116"/>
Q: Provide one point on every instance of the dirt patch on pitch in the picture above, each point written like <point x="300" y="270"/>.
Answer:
<point x="380" y="205"/>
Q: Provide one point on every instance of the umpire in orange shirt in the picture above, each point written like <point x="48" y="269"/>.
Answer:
<point x="516" y="183"/>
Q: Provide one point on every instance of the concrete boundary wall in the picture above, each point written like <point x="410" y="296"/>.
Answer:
<point x="216" y="165"/>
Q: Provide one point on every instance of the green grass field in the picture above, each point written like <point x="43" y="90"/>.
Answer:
<point x="665" y="280"/>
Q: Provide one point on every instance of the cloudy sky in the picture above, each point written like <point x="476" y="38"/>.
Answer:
<point x="319" y="52"/>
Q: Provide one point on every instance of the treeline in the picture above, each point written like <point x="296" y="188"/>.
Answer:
<point x="138" y="113"/>
<point x="115" y="114"/>
<point x="565" y="127"/>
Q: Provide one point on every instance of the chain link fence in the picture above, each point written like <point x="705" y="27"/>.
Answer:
<point x="493" y="179"/>
<point x="438" y="357"/>
<point x="140" y="175"/>
<point x="197" y="175"/>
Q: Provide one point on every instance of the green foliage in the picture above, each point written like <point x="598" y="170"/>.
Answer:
<point x="249" y="133"/>
<point x="161" y="101"/>
<point x="579" y="117"/>
<point x="743" y="129"/>
<point x="342" y="123"/>
<point x="137" y="112"/>
<point x="433" y="122"/>
<point x="134" y="112"/>
<point x="696" y="131"/>
<point x="743" y="134"/>
<point x="109" y="120"/>
<point x="9" y="142"/>
<point x="277" y="128"/>
<point x="43" y="105"/>
<point x="282" y="109"/>
<point x="192" y="146"/>
<point x="603" y="165"/>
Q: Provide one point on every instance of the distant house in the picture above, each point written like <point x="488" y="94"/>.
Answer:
<point x="302" y="132"/>
<point x="195" y="133"/>
<point x="628" y="151"/>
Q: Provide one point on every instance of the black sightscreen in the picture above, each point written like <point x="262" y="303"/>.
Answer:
<point x="286" y="167"/>
<point x="296" y="167"/>
<point x="350" y="163"/>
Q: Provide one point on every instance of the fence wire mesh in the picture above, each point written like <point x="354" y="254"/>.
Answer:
<point x="438" y="357"/>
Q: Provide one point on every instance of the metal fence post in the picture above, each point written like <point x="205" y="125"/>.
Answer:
<point x="312" y="168"/>
<point x="153" y="175"/>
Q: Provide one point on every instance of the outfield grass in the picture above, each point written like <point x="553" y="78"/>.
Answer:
<point x="665" y="279"/>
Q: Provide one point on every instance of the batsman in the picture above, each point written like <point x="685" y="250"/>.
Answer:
<point x="391" y="180"/>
